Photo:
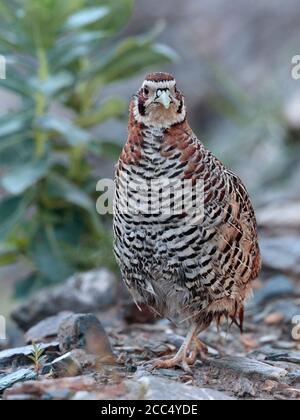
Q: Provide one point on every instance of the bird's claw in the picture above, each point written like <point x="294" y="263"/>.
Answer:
<point x="180" y="361"/>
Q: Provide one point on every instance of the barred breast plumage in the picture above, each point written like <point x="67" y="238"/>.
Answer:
<point x="195" y="271"/>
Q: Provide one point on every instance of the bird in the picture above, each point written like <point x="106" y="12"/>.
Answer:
<point x="195" y="265"/>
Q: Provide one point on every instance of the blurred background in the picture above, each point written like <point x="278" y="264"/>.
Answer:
<point x="72" y="66"/>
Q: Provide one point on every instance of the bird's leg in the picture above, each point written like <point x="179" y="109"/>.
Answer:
<point x="181" y="358"/>
<point x="200" y="349"/>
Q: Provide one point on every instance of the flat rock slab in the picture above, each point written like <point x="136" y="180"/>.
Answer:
<point x="20" y="375"/>
<point x="46" y="329"/>
<point x="243" y="365"/>
<point x="44" y="388"/>
<point x="157" y="388"/>
<point x="293" y="357"/>
<point x="84" y="292"/>
<point x="19" y="355"/>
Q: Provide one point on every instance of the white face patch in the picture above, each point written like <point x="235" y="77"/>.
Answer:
<point x="166" y="84"/>
<point x="158" y="114"/>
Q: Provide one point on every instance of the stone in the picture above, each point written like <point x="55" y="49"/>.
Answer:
<point x="85" y="396"/>
<point x="84" y="331"/>
<point x="281" y="253"/>
<point x="46" y="387"/>
<point x="57" y="395"/>
<point x="292" y="357"/>
<point x="280" y="213"/>
<point x="46" y="329"/>
<point x="286" y="345"/>
<point x="246" y="366"/>
<point x="74" y="363"/>
<point x="266" y="339"/>
<point x="279" y="286"/>
<point x="64" y="366"/>
<point x="20" y="375"/>
<point x="274" y="319"/>
<point x="157" y="388"/>
<point x="284" y="307"/>
<point x="19" y="356"/>
<point x="82" y="293"/>
<point x="21" y="397"/>
<point x="294" y="377"/>
<point x="244" y="388"/>
<point x="269" y="386"/>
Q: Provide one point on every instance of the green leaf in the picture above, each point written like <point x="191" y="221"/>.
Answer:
<point x="42" y="21"/>
<point x="130" y="57"/>
<point x="28" y="285"/>
<point x="74" y="47"/>
<point x="16" y="151"/>
<point x="8" y="254"/>
<point x="12" y="209"/>
<point x="20" y="178"/>
<point x="16" y="82"/>
<point x="48" y="258"/>
<point x="9" y="38"/>
<point x="54" y="84"/>
<point x="71" y="229"/>
<point x="109" y="149"/>
<point x="60" y="187"/>
<point x="112" y="108"/>
<point x="14" y="123"/>
<point x="86" y="17"/>
<point x="120" y="12"/>
<point x="72" y="134"/>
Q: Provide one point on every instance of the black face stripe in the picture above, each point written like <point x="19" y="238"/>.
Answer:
<point x="179" y="110"/>
<point x="142" y="109"/>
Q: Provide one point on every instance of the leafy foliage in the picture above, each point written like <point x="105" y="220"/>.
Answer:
<point x="37" y="357"/>
<point x="60" y="55"/>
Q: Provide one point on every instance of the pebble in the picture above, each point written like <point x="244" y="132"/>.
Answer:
<point x="266" y="339"/>
<point x="274" y="318"/>
<point x="64" y="366"/>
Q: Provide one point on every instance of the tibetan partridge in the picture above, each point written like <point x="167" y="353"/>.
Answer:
<point x="190" y="256"/>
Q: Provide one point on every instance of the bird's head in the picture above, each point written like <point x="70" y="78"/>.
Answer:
<point x="159" y="103"/>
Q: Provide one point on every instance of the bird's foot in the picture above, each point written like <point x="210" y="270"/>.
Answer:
<point x="178" y="360"/>
<point x="200" y="349"/>
<point x="182" y="359"/>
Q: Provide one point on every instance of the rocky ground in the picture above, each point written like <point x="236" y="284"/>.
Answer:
<point x="68" y="352"/>
<point x="101" y="354"/>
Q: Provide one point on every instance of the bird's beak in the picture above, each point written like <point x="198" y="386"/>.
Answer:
<point x="164" y="99"/>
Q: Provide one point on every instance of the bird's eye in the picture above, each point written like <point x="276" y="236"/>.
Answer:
<point x="146" y="91"/>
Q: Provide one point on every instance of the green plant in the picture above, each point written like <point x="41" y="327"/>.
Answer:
<point x="37" y="357"/>
<point x="60" y="55"/>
